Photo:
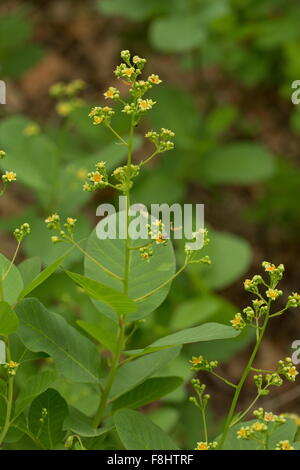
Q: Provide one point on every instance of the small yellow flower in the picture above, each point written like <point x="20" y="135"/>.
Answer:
<point x="145" y="105"/>
<point x="109" y="93"/>
<point x="160" y="239"/>
<point x="128" y="71"/>
<point x="269" y="417"/>
<point x="12" y="364"/>
<point x="55" y="239"/>
<point x="196" y="360"/>
<point x="71" y="221"/>
<point x="243" y="433"/>
<point x="154" y="79"/>
<point x="11" y="367"/>
<point x="202" y="446"/>
<point x="97" y="120"/>
<point x="9" y="177"/>
<point x="136" y="59"/>
<point x="237" y="322"/>
<point x="96" y="177"/>
<point x="284" y="445"/>
<point x="259" y="426"/>
<point x="112" y="93"/>
<point x="273" y="294"/>
<point x="52" y="218"/>
<point x="292" y="372"/>
<point x="270" y="268"/>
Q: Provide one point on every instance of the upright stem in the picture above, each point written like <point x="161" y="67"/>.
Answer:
<point x="9" y="402"/>
<point x="122" y="324"/>
<point x="12" y="262"/>
<point x="127" y="243"/>
<point x="204" y="422"/>
<point x="242" y="381"/>
<point x="111" y="375"/>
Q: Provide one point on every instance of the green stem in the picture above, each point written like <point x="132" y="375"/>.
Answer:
<point x="127" y="244"/>
<point x="147" y="160"/>
<point x="4" y="186"/>
<point x="278" y="313"/>
<point x="204" y="424"/>
<point x="246" y="411"/>
<point x="10" y="392"/>
<point x="12" y="262"/>
<point x="139" y="299"/>
<point x="263" y="371"/>
<point x="111" y="375"/>
<point x="107" y="271"/>
<point x="242" y="380"/>
<point x="227" y="382"/>
<point x="121" y="330"/>
<point x="117" y="135"/>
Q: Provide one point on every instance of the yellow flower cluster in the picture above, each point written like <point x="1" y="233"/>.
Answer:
<point x="206" y="445"/>
<point x="11" y="367"/>
<point x="284" y="445"/>
<point x="101" y="115"/>
<point x="287" y="369"/>
<point x="200" y="363"/>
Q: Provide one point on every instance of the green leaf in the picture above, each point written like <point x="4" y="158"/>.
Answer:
<point x="104" y="331"/>
<point x="8" y="320"/>
<point x="194" y="311"/>
<point x="79" y="423"/>
<point x="172" y="104"/>
<point x="34" y="386"/>
<point x="137" y="371"/>
<point x="221" y="350"/>
<point x="118" y="301"/>
<point x="50" y="432"/>
<point x="30" y="269"/>
<point x="41" y="330"/>
<point x="13" y="283"/>
<point x="133" y="9"/>
<point x="206" y="332"/>
<point x="221" y="119"/>
<point x="40" y="278"/>
<point x="165" y="417"/>
<point x="143" y="276"/>
<point x="177" y="33"/>
<point x="25" y="156"/>
<point x="149" y="391"/>
<point x="230" y="256"/>
<point x="137" y="432"/>
<point x="157" y="188"/>
<point x="237" y="163"/>
<point x="14" y="29"/>
<point x="286" y="431"/>
<point x="28" y="56"/>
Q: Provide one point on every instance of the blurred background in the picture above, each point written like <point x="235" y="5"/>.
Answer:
<point x="227" y="67"/>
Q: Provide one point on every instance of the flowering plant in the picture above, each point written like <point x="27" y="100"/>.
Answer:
<point x="256" y="316"/>
<point x="125" y="281"/>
